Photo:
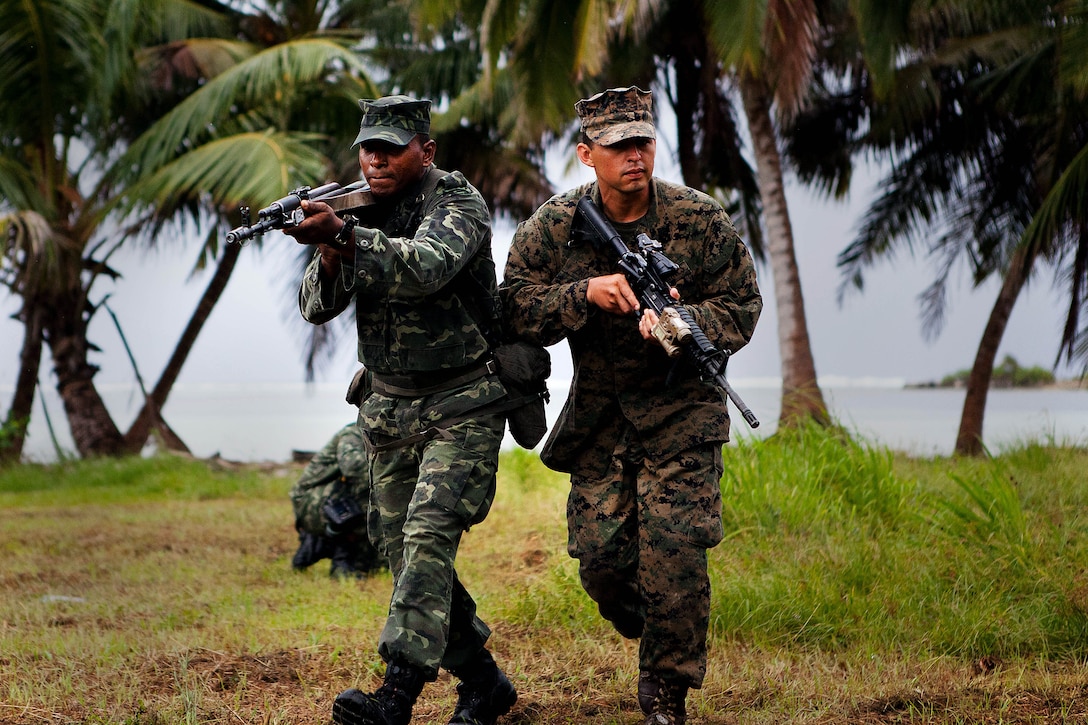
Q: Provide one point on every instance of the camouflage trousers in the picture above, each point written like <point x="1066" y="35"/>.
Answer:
<point x="641" y="535"/>
<point x="428" y="494"/>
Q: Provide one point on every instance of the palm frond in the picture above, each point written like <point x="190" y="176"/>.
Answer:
<point x="882" y="27"/>
<point x="1074" y="40"/>
<point x="33" y="256"/>
<point x="254" y="168"/>
<point x="735" y="30"/>
<point x="257" y="81"/>
<point x="591" y="34"/>
<point x="49" y="50"/>
<point x="790" y="38"/>
<point x="1065" y="203"/>
<point x="18" y="187"/>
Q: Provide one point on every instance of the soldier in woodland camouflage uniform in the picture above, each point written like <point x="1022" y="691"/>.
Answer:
<point x="644" y="457"/>
<point x="418" y="266"/>
<point x="337" y="475"/>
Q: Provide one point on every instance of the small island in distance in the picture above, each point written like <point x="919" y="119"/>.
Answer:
<point x="1007" y="374"/>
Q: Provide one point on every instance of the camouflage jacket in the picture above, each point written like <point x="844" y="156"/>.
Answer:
<point x="340" y="468"/>
<point x="423" y="279"/>
<point x="618" y="376"/>
<point x="343" y="457"/>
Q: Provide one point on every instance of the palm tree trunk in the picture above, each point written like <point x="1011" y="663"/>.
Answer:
<point x="149" y="417"/>
<point x="690" y="64"/>
<point x="802" y="399"/>
<point x="969" y="437"/>
<point x="92" y="427"/>
<point x="30" y="358"/>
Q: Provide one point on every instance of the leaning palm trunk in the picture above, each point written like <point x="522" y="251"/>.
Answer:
<point x="801" y="396"/>
<point x="149" y="417"/>
<point x="969" y="438"/>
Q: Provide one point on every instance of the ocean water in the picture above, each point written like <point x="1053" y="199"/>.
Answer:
<point x="269" y="421"/>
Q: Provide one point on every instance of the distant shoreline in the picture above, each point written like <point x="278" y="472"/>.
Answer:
<point x="1072" y="384"/>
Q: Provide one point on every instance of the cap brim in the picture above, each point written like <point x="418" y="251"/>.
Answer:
<point x="624" y="131"/>
<point x="388" y="134"/>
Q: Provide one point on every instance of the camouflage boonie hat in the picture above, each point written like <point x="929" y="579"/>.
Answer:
<point x="393" y="119"/>
<point x="616" y="115"/>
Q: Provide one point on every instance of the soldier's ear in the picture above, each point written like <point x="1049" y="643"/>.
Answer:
<point x="584" y="154"/>
<point x="429" y="148"/>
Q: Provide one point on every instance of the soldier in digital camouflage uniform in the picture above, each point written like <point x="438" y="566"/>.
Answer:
<point x="418" y="266"/>
<point x="644" y="457"/>
<point x="338" y="478"/>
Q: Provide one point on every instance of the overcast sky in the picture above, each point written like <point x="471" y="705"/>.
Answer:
<point x="254" y="333"/>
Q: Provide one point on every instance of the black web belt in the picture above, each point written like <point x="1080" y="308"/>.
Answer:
<point x="407" y="386"/>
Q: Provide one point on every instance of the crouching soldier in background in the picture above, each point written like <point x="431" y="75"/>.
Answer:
<point x="331" y="501"/>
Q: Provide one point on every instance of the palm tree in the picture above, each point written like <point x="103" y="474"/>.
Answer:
<point x="67" y="201"/>
<point x="986" y="139"/>
<point x="782" y="39"/>
<point x="71" y="101"/>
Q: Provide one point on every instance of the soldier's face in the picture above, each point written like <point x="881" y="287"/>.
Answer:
<point x="625" y="167"/>
<point x="390" y="169"/>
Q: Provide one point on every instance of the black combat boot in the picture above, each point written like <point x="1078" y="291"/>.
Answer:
<point x="664" y="703"/>
<point x="344" y="565"/>
<point x="648" y="685"/>
<point x="355" y="557"/>
<point x="311" y="549"/>
<point x="390" y="704"/>
<point x="484" y="693"/>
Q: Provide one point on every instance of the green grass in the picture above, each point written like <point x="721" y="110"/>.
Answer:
<point x="854" y="585"/>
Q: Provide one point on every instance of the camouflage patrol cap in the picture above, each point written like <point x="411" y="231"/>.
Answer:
<point x="393" y="119"/>
<point x="616" y="115"/>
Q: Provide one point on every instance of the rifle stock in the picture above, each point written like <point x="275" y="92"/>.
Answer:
<point x="648" y="271"/>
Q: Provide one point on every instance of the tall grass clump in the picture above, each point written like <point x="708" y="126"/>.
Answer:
<point x="834" y="544"/>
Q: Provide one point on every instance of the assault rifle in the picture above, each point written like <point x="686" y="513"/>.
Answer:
<point x="648" y="271"/>
<point x="287" y="212"/>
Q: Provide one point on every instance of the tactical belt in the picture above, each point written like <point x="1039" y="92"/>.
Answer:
<point x="503" y="405"/>
<point x="407" y="386"/>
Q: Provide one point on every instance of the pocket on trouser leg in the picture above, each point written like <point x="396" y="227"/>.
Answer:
<point x="686" y="496"/>
<point x="459" y="474"/>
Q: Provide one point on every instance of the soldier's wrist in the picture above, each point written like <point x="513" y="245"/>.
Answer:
<point x="346" y="235"/>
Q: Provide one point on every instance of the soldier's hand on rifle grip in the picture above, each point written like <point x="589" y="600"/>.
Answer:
<point x="612" y="294"/>
<point x="319" y="226"/>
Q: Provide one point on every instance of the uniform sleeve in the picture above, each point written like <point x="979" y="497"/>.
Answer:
<point x="729" y="302"/>
<point x="321" y="298"/>
<point x="454" y="226"/>
<point x="541" y="304"/>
